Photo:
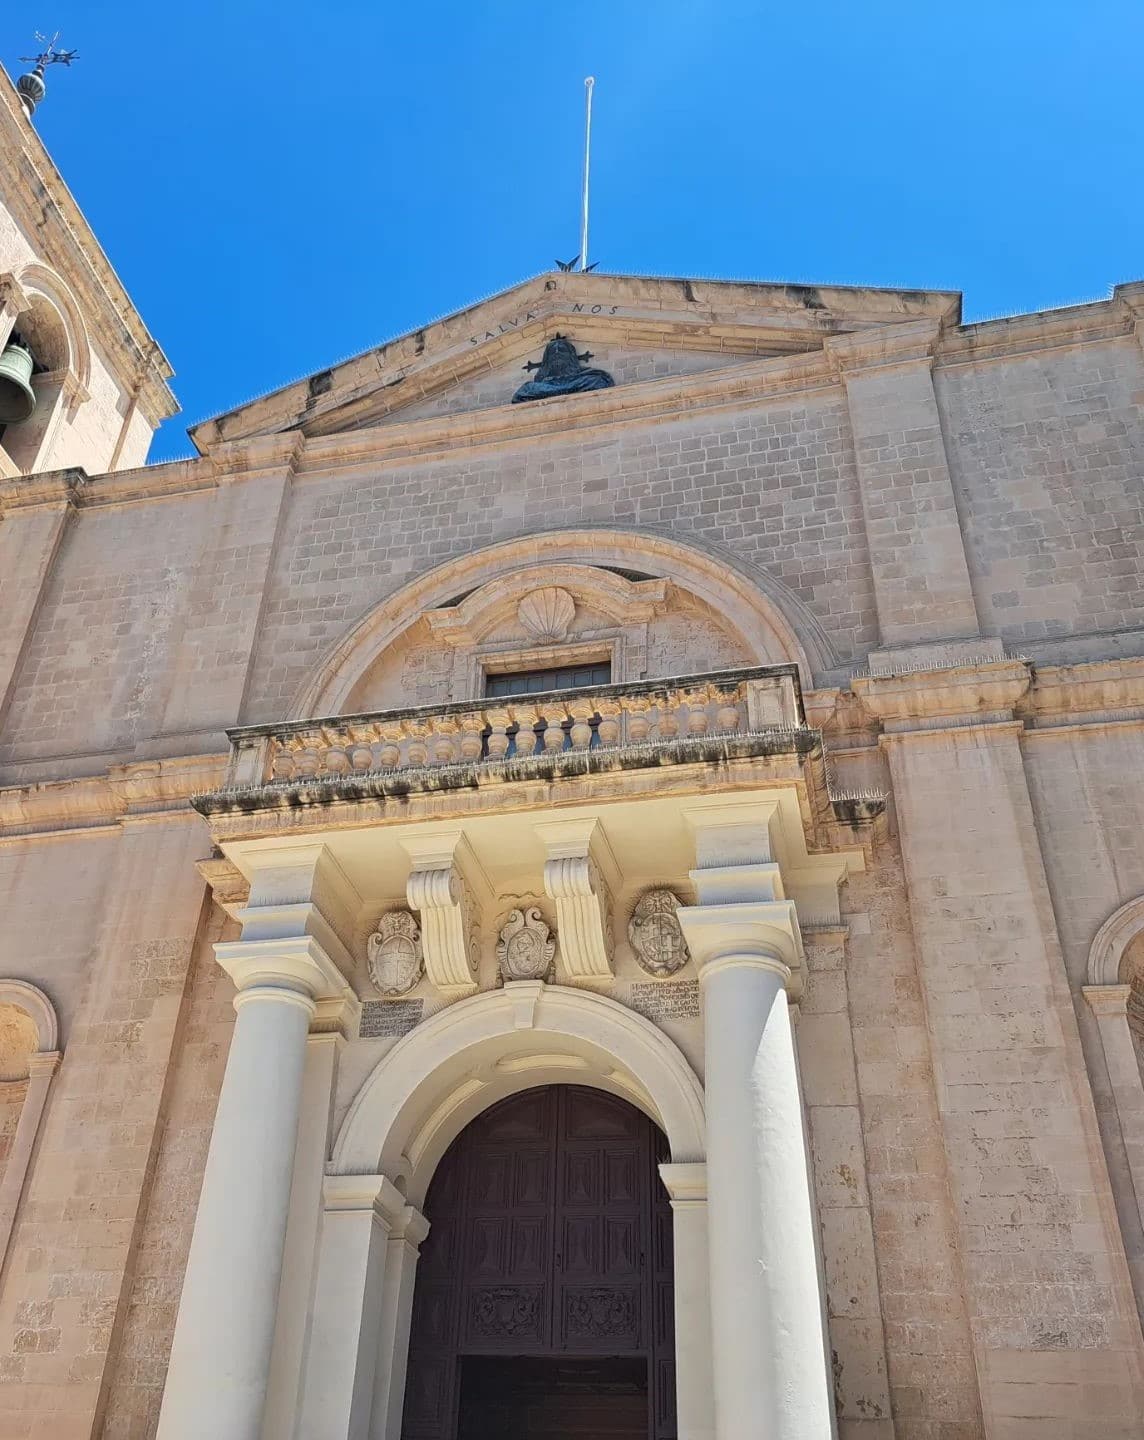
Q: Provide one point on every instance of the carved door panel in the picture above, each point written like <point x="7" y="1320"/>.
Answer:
<point x="602" y="1231"/>
<point x="550" y="1234"/>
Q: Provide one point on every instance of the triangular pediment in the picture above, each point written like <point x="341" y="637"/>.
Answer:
<point x="637" y="329"/>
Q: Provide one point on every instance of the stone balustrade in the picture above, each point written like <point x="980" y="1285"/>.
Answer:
<point x="600" y="717"/>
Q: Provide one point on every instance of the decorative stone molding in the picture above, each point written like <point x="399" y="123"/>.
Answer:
<point x="910" y="343"/>
<point x="656" y="935"/>
<point x="435" y="1079"/>
<point x="440" y="889"/>
<point x="393" y="953"/>
<point x="1106" y="954"/>
<point x="42" y="1065"/>
<point x="230" y="887"/>
<point x="771" y="619"/>
<point x="1107" y="999"/>
<point x="526" y="946"/>
<point x="547" y="614"/>
<point x="580" y="875"/>
<point x="38" y="1008"/>
<point x="543" y="598"/>
<point x="934" y="698"/>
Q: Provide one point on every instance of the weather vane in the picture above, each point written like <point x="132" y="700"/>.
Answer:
<point x="31" y="87"/>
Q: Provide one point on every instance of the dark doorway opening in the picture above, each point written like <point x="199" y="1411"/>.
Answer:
<point x="553" y="1399"/>
<point x="548" y="1266"/>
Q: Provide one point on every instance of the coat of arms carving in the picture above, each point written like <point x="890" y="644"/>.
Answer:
<point x="656" y="935"/>
<point x="393" y="953"/>
<point x="526" y="946"/>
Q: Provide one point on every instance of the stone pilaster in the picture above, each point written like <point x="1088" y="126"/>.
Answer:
<point x="70" y="1268"/>
<point x="1029" y="1180"/>
<point x="33" y="517"/>
<point x="917" y="554"/>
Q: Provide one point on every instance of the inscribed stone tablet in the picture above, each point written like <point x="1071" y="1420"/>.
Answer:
<point x="386" y="1018"/>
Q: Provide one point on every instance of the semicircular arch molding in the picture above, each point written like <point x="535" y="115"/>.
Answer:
<point x="38" y="280"/>
<point x="441" y="1075"/>
<point x="38" y="1008"/>
<point x="1106" y="957"/>
<point x="772" y="621"/>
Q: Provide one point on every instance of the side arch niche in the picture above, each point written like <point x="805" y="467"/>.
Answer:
<point x="1115" y="996"/>
<point x="29" y="1055"/>
<point x="649" y="606"/>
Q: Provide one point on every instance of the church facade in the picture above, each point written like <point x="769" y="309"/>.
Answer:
<point x="579" y="873"/>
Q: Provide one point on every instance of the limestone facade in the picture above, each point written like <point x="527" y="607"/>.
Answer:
<point x="837" y="873"/>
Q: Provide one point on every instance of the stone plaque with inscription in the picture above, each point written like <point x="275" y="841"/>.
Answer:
<point x="665" y="1001"/>
<point x="383" y="1019"/>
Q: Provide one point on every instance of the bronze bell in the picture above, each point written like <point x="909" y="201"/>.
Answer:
<point x="17" y="398"/>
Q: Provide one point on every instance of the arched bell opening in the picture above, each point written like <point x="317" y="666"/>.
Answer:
<point x="544" y="1294"/>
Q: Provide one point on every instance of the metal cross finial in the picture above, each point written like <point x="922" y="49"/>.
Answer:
<point x="49" y="55"/>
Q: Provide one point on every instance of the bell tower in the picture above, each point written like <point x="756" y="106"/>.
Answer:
<point x="82" y="382"/>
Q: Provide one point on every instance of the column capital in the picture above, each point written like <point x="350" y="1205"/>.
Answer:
<point x="44" y="1062"/>
<point x="685" y="1183"/>
<point x="290" y="965"/>
<point x="761" y="935"/>
<point x="1107" y="999"/>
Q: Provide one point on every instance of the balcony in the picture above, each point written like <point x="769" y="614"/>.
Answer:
<point x="717" y="718"/>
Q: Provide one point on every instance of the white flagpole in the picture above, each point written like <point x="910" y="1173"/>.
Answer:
<point x="589" y="85"/>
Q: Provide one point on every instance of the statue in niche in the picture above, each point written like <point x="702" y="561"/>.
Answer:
<point x="561" y="372"/>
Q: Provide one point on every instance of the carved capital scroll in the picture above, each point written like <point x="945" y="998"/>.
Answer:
<point x="580" y="875"/>
<point x="441" y="889"/>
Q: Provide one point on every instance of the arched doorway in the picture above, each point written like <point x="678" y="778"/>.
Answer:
<point x="543" y="1307"/>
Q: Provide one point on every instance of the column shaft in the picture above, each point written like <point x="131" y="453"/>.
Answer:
<point x="769" y="1359"/>
<point x="220" y="1356"/>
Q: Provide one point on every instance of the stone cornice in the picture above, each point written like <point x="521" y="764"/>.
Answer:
<point x="124" y="793"/>
<point x="941" y="698"/>
<point x="1037" y="332"/>
<point x="578" y="416"/>
<point x="739" y="316"/>
<point x="71" y="245"/>
<point x="887" y="347"/>
<point x="50" y="487"/>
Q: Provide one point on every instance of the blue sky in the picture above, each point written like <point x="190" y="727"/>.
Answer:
<point x="280" y="185"/>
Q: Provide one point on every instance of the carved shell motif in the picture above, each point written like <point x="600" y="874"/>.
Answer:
<point x="526" y="947"/>
<point x="393" y="953"/>
<point x="656" y="935"/>
<point x="546" y="614"/>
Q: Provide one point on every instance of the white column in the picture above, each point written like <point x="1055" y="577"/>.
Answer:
<point x="771" y="1378"/>
<point x="694" y="1385"/>
<point x="1109" y="1003"/>
<point x="300" y="1257"/>
<point x="220" y="1355"/>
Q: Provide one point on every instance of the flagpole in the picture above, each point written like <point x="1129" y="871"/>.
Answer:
<point x="589" y="85"/>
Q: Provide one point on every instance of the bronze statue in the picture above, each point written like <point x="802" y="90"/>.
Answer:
<point x="560" y="372"/>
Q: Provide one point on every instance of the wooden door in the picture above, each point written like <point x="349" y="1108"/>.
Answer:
<point x="550" y="1235"/>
